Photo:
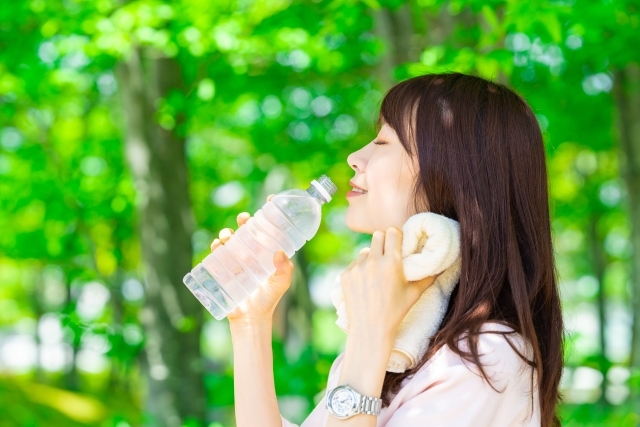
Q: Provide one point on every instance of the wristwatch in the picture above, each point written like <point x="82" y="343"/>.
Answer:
<point x="344" y="402"/>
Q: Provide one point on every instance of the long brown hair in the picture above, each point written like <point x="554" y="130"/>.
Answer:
<point x="482" y="163"/>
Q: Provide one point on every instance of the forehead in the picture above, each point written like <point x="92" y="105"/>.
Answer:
<point x="388" y="132"/>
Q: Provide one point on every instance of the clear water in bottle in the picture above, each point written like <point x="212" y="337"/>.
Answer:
<point x="228" y="275"/>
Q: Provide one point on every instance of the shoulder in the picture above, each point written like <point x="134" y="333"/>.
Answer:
<point x="498" y="346"/>
<point x="448" y="382"/>
<point x="500" y="340"/>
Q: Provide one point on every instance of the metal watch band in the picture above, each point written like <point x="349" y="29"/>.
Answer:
<point x="361" y="405"/>
<point x="370" y="405"/>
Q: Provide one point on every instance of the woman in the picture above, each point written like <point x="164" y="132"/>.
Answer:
<point x="471" y="150"/>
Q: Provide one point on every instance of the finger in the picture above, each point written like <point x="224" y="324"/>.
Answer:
<point x="393" y="241"/>
<point x="269" y="197"/>
<point x="281" y="278"/>
<point x="281" y="261"/>
<point x="242" y="218"/>
<point x="225" y="234"/>
<point x="215" y="244"/>
<point x="363" y="254"/>
<point x="377" y="243"/>
<point x="350" y="266"/>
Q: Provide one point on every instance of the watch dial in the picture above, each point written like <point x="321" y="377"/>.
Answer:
<point x="342" y="401"/>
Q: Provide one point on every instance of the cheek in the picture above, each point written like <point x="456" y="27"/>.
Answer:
<point x="393" y="193"/>
<point x="389" y="182"/>
<point x="385" y="203"/>
<point x="386" y="195"/>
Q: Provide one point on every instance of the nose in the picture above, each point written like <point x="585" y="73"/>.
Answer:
<point x="356" y="161"/>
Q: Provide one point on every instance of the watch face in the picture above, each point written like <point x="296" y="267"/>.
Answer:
<point x="343" y="402"/>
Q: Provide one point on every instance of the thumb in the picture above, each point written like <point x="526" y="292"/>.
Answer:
<point x="423" y="284"/>
<point x="284" y="268"/>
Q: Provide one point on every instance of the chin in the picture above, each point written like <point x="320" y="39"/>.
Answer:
<point x="357" y="227"/>
<point x="361" y="230"/>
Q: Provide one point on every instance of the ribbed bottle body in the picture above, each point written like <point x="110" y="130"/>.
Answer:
<point x="228" y="275"/>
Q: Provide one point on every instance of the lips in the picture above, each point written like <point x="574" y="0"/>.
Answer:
<point x="355" y="186"/>
<point x="355" y="193"/>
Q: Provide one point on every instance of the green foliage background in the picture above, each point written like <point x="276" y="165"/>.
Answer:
<point x="277" y="90"/>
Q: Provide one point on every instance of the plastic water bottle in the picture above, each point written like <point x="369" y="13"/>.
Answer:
<point x="228" y="275"/>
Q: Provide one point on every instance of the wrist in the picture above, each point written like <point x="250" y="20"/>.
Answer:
<point x="365" y="364"/>
<point x="371" y="339"/>
<point x="369" y="355"/>
<point x="252" y="325"/>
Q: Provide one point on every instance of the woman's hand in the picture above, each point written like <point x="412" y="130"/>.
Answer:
<point x="376" y="292"/>
<point x="259" y="306"/>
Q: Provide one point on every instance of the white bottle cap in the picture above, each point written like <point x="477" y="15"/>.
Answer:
<point x="320" y="189"/>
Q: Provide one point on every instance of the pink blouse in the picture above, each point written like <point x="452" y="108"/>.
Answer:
<point x="445" y="391"/>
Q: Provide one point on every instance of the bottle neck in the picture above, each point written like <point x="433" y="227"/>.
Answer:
<point x="312" y="190"/>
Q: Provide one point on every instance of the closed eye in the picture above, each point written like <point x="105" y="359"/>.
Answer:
<point x="379" y="142"/>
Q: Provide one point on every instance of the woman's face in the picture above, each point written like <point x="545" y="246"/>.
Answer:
<point x="383" y="168"/>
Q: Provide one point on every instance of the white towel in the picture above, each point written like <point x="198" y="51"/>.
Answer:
<point x="430" y="245"/>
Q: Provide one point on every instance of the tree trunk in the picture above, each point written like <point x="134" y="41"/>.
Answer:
<point x="171" y="316"/>
<point x="118" y="381"/>
<point x="598" y="262"/>
<point x="395" y="28"/>
<point x="627" y="97"/>
<point x="300" y="308"/>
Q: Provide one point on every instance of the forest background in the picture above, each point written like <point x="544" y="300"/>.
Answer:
<point x="131" y="132"/>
